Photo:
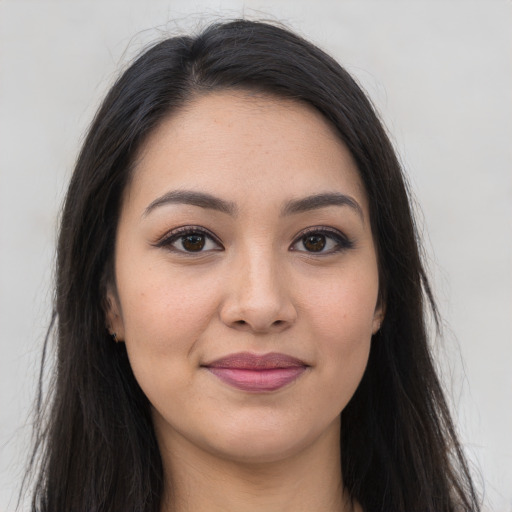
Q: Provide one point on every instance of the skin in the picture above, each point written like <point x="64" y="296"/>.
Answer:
<point x="254" y="287"/>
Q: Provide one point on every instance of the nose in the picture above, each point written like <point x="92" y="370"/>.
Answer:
<point x="258" y="295"/>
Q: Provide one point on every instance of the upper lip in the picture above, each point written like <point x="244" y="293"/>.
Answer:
<point x="251" y="361"/>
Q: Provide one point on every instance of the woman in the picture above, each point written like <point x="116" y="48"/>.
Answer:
<point x="240" y="307"/>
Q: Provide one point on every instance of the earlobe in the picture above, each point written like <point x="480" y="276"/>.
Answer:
<point x="378" y="317"/>
<point x="114" y="321"/>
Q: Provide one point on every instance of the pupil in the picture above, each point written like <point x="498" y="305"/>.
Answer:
<point x="193" y="242"/>
<point x="314" y="243"/>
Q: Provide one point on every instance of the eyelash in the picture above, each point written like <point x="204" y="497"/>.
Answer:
<point x="180" y="233"/>
<point x="341" y="241"/>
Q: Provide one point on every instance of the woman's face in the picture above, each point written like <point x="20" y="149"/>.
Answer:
<point x="246" y="277"/>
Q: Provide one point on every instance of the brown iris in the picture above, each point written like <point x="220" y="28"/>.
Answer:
<point x="193" y="243"/>
<point x="314" y="243"/>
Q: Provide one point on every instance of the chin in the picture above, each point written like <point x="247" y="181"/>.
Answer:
<point x="271" y="443"/>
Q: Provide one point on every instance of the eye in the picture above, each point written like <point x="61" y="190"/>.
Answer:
<point x="190" y="240"/>
<point x="321" y="241"/>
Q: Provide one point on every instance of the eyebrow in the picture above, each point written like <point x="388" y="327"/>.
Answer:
<point x="200" y="199"/>
<point x="294" y="206"/>
<point x="318" y="201"/>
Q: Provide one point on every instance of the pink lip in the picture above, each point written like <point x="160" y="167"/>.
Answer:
<point x="257" y="373"/>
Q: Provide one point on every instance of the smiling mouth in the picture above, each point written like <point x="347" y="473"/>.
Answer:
<point x="257" y="373"/>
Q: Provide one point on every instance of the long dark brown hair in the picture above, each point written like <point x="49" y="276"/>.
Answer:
<point x="95" y="447"/>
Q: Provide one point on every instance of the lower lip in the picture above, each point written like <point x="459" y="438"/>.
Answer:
<point x="258" y="380"/>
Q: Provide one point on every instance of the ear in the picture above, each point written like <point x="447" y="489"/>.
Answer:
<point x="113" y="316"/>
<point x="378" y="316"/>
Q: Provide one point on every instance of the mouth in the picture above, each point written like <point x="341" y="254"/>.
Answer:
<point x="257" y="373"/>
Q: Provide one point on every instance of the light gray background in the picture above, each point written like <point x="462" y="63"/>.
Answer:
<point x="440" y="73"/>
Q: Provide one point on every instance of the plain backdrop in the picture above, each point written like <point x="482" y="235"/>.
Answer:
<point x="440" y="74"/>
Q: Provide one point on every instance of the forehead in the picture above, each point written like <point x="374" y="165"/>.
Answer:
<point x="243" y="144"/>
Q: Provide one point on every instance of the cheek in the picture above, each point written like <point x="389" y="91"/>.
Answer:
<point x="343" y="306"/>
<point x="341" y="322"/>
<point x="164" y="314"/>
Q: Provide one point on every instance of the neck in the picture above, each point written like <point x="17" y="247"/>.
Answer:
<point x="309" y="480"/>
